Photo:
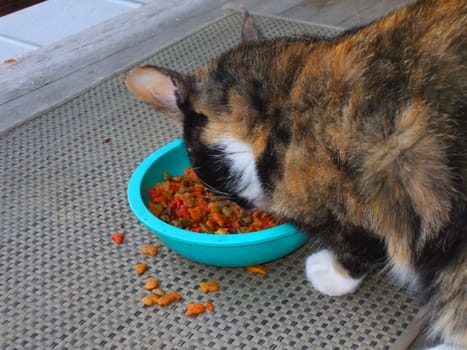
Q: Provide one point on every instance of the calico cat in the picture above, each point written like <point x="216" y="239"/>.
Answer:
<point x="360" y="140"/>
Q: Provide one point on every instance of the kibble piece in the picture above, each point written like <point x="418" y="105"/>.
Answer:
<point x="209" y="286"/>
<point x="151" y="283"/>
<point x="158" y="292"/>
<point x="141" y="268"/>
<point x="209" y="306"/>
<point x="261" y="269"/>
<point x="169" y="298"/>
<point x="150" y="300"/>
<point x="194" y="309"/>
<point x="118" y="237"/>
<point x="149" y="249"/>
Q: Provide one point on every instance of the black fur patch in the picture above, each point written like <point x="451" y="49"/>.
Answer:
<point x="269" y="165"/>
<point x="439" y="253"/>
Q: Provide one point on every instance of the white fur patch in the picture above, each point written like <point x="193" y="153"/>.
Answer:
<point x="404" y="276"/>
<point x="321" y="271"/>
<point x="242" y="163"/>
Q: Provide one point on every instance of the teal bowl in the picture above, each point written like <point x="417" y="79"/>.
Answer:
<point x="230" y="250"/>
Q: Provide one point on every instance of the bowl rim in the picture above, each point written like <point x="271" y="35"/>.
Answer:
<point x="165" y="230"/>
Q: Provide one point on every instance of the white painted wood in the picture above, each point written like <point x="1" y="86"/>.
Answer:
<point x="14" y="47"/>
<point x="52" y="20"/>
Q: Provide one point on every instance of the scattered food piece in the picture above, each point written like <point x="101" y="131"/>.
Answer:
<point x="106" y="140"/>
<point x="9" y="60"/>
<point x="150" y="300"/>
<point x="261" y="269"/>
<point x="151" y="283"/>
<point x="169" y="298"/>
<point x="194" y="309"/>
<point x="209" y="286"/>
<point x="141" y="268"/>
<point x="158" y="292"/>
<point x="149" y="249"/>
<point x="118" y="237"/>
<point x="209" y="306"/>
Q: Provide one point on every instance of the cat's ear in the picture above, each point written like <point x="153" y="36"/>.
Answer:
<point x="163" y="89"/>
<point x="250" y="33"/>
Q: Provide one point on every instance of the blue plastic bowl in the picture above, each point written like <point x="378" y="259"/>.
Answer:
<point x="231" y="250"/>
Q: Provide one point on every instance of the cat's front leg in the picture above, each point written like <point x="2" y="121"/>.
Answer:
<point x="340" y="270"/>
<point x="328" y="276"/>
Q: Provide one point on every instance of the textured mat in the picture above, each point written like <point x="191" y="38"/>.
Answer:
<point x="64" y="284"/>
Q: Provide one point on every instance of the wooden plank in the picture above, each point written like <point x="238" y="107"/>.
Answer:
<point x="79" y="51"/>
<point x="344" y="14"/>
<point x="54" y="20"/>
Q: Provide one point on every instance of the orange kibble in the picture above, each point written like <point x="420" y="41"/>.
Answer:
<point x="150" y="299"/>
<point x="151" y="283"/>
<point x="169" y="298"/>
<point x="194" y="309"/>
<point x="209" y="286"/>
<point x="209" y="306"/>
<point x="261" y="269"/>
<point x="149" y="249"/>
<point x="218" y="218"/>
<point x="195" y="214"/>
<point x="183" y="201"/>
<point x="141" y="268"/>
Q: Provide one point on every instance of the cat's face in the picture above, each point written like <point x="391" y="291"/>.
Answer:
<point x="222" y="147"/>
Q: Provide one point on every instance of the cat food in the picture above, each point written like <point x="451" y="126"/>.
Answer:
<point x="209" y="306"/>
<point x="118" y="237"/>
<point x="183" y="201"/>
<point x="158" y="292"/>
<point x="168" y="298"/>
<point x="141" y="268"/>
<point x="151" y="283"/>
<point x="209" y="286"/>
<point x="149" y="249"/>
<point x="261" y="269"/>
<point x="194" y="309"/>
<point x="150" y="299"/>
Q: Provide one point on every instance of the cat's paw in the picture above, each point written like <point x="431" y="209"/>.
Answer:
<point x="327" y="276"/>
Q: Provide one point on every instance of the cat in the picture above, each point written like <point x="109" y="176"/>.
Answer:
<point x="359" y="140"/>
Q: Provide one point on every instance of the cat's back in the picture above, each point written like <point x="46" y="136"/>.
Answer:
<point x="415" y="55"/>
<point x="391" y="100"/>
<point x="426" y="44"/>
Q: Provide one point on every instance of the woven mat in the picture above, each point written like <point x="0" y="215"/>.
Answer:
<point x="64" y="284"/>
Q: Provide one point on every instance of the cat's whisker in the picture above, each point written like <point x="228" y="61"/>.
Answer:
<point x="218" y="193"/>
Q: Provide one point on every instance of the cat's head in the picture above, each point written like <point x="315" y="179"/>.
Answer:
<point x="214" y="114"/>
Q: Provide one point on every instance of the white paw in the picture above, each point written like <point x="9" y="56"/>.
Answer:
<point x="320" y="270"/>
